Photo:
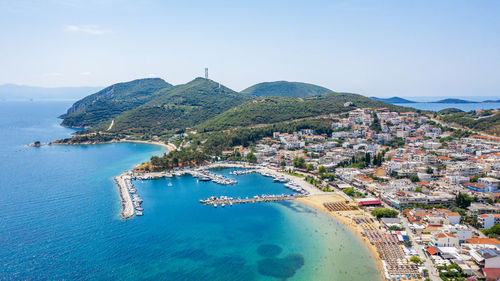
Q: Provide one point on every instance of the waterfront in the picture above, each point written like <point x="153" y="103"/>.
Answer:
<point x="62" y="218"/>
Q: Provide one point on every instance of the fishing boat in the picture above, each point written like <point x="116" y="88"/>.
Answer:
<point x="205" y="179"/>
<point x="169" y="184"/>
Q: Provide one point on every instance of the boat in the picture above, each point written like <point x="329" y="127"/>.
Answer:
<point x="169" y="184"/>
<point x="215" y="205"/>
<point x="223" y="205"/>
<point x="205" y="179"/>
<point x="168" y="175"/>
<point x="139" y="213"/>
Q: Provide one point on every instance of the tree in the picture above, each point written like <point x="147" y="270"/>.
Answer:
<point x="283" y="164"/>
<point x="251" y="157"/>
<point x="299" y="162"/>
<point x="310" y="167"/>
<point x="416" y="260"/>
<point x="463" y="200"/>
<point x="384" y="213"/>
<point x="414" y="178"/>
<point x="349" y="191"/>
<point x="321" y="170"/>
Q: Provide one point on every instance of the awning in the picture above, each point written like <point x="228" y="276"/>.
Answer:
<point x="431" y="251"/>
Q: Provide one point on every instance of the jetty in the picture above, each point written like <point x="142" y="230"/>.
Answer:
<point x="127" y="205"/>
<point x="224" y="200"/>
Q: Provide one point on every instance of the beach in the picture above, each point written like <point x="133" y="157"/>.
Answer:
<point x="317" y="202"/>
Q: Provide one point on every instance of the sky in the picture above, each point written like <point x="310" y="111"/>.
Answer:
<point x="375" y="48"/>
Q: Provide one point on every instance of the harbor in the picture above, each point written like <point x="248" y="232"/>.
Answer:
<point x="131" y="200"/>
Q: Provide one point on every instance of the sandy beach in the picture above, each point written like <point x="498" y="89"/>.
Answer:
<point x="317" y="202"/>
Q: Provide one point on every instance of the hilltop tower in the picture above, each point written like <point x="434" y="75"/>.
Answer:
<point x="206" y="73"/>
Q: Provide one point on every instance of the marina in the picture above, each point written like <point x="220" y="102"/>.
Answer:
<point x="131" y="200"/>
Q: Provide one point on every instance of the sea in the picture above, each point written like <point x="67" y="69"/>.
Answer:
<point x="425" y="103"/>
<point x="60" y="217"/>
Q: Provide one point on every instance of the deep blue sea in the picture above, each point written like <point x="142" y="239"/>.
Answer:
<point x="60" y="218"/>
<point x="462" y="106"/>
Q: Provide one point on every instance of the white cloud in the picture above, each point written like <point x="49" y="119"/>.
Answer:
<point x="86" y="73"/>
<point x="89" y="29"/>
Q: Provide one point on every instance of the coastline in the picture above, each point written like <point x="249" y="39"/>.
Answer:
<point x="316" y="201"/>
<point x="169" y="146"/>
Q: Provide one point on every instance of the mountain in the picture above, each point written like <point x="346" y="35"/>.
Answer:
<point x="179" y="107"/>
<point x="453" y="101"/>
<point x="393" y="100"/>
<point x="492" y="101"/>
<point x="112" y="101"/>
<point x="285" y="89"/>
<point x="267" y="110"/>
<point x="21" y="92"/>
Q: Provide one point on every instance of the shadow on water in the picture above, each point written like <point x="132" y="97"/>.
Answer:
<point x="274" y="266"/>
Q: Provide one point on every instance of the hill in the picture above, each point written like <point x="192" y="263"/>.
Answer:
<point x="267" y="110"/>
<point x="453" y="101"/>
<point x="112" y="101"/>
<point x="285" y="89"/>
<point x="449" y="111"/>
<point x="24" y="93"/>
<point x="393" y="100"/>
<point x="487" y="121"/>
<point x="179" y="107"/>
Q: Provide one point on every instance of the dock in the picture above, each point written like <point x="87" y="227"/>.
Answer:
<point x="127" y="205"/>
<point x="223" y="200"/>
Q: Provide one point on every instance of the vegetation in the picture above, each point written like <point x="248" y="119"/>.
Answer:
<point x="492" y="232"/>
<point x="299" y="162"/>
<point x="384" y="213"/>
<point x="179" y="107"/>
<point x="178" y="158"/>
<point x="451" y="273"/>
<point x="463" y="200"/>
<point x="285" y="89"/>
<point x="475" y="121"/>
<point x="112" y="101"/>
<point x="416" y="260"/>
<point x="278" y="109"/>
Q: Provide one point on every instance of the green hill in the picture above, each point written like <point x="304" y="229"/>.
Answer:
<point x="488" y="121"/>
<point x="179" y="107"/>
<point x="285" y="89"/>
<point x="454" y="101"/>
<point x="277" y="109"/>
<point x="112" y="101"/>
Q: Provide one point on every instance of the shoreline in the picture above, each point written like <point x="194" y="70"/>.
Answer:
<point x="316" y="201"/>
<point x="169" y="146"/>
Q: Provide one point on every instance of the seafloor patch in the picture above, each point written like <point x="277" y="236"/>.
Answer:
<point x="277" y="267"/>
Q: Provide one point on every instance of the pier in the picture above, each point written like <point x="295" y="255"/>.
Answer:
<point x="223" y="200"/>
<point x="127" y="205"/>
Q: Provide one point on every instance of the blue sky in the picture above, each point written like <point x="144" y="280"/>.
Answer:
<point x="375" y="48"/>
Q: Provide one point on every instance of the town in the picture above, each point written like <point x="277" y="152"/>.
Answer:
<point x="433" y="188"/>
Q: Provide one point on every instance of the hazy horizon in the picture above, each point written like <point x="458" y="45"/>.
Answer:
<point x="446" y="48"/>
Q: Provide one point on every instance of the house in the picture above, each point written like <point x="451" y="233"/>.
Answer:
<point x="443" y="240"/>
<point x="488" y="220"/>
<point x="453" y="218"/>
<point x="483" y="242"/>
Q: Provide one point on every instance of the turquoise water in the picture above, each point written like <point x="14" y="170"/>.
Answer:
<point x="60" y="218"/>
